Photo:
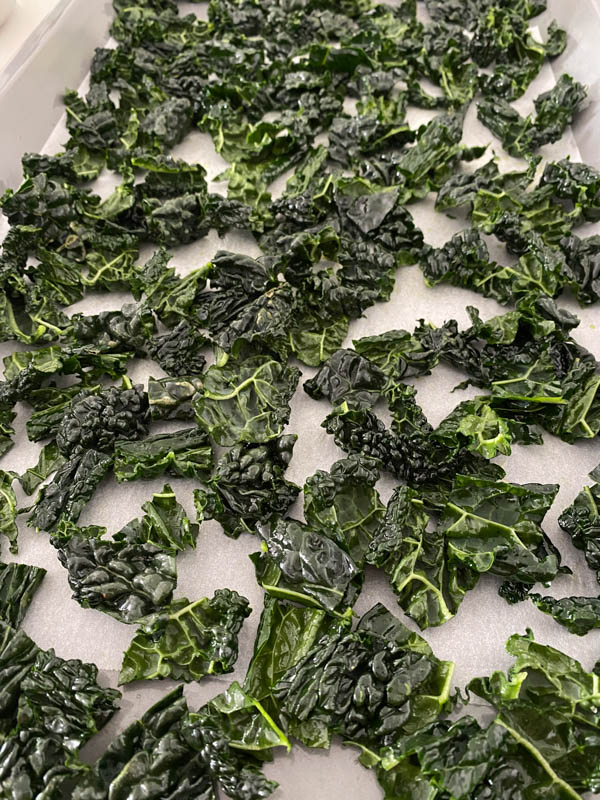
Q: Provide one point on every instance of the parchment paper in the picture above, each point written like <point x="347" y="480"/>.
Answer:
<point x="475" y="638"/>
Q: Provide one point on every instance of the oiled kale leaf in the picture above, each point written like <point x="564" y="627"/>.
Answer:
<point x="303" y="566"/>
<point x="74" y="483"/>
<point x="248" y="486"/>
<point x="18" y="584"/>
<point x="131" y="576"/>
<point x="188" y="640"/>
<point x="344" y="504"/>
<point x="186" y="453"/>
<point x="496" y="527"/>
<point x="50" y="708"/>
<point x="430" y="586"/>
<point x="246" y="401"/>
<point x="546" y="691"/>
<point x="369" y="685"/>
<point x="581" y="520"/>
<point x="188" y="755"/>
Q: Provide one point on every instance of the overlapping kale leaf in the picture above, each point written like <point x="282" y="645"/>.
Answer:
<point x="248" y="486"/>
<point x="299" y="564"/>
<point x="131" y="576"/>
<point x="18" y="584"/>
<point x="173" y="750"/>
<point x="188" y="640"/>
<point x="49" y="708"/>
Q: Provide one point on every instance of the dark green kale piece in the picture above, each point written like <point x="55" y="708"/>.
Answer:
<point x="48" y="462"/>
<point x="345" y="505"/>
<point x="171" y="750"/>
<point x="545" y="692"/>
<point x="18" y="584"/>
<point x="115" y="331"/>
<point x="186" y="453"/>
<point x="286" y="633"/>
<point x="50" y="708"/>
<point x="173" y="398"/>
<point x="8" y="510"/>
<point x="188" y="640"/>
<point x="581" y="520"/>
<point x="178" y="350"/>
<point x="347" y="377"/>
<point x="430" y="586"/>
<point x="248" y="486"/>
<point x="306" y="567"/>
<point x="554" y="112"/>
<point x="579" y="615"/>
<point x="128" y="580"/>
<point x="246" y="401"/>
<point x="582" y="267"/>
<point x="74" y="483"/>
<point x="577" y="184"/>
<point x="496" y="527"/>
<point x="369" y="685"/>
<point x="99" y="421"/>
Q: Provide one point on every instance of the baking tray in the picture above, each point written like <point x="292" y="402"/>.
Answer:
<point x="56" y="56"/>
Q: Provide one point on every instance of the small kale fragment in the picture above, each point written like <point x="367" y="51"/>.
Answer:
<point x="303" y="566"/>
<point x="48" y="462"/>
<point x="172" y="398"/>
<point x="188" y="640"/>
<point x="8" y="510"/>
<point x="579" y="615"/>
<point x="581" y="520"/>
<point x="248" y="486"/>
<point x="347" y="377"/>
<point x="178" y="350"/>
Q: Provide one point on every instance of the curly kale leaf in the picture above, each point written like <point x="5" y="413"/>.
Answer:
<point x="165" y="525"/>
<point x="150" y="753"/>
<point x="544" y="692"/>
<point x="286" y="633"/>
<point x="347" y="377"/>
<point x="344" y="504"/>
<point x="246" y="401"/>
<point x="248" y="486"/>
<point x="496" y="527"/>
<point x="579" y="615"/>
<point x="306" y="567"/>
<point x="173" y="398"/>
<point x="410" y="451"/>
<point x="554" y="112"/>
<point x="577" y="184"/>
<point x="582" y="267"/>
<point x="129" y="581"/>
<point x="188" y="640"/>
<point x="48" y="462"/>
<point x="464" y="261"/>
<point x="430" y="587"/>
<point x="178" y="350"/>
<point x="185" y="453"/>
<point x="51" y="707"/>
<point x="99" y="421"/>
<point x="18" y="584"/>
<point x="74" y="483"/>
<point x="368" y="686"/>
<point x="50" y="404"/>
<point x="581" y="520"/>
<point x="115" y="331"/>
<point x="8" y="510"/>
